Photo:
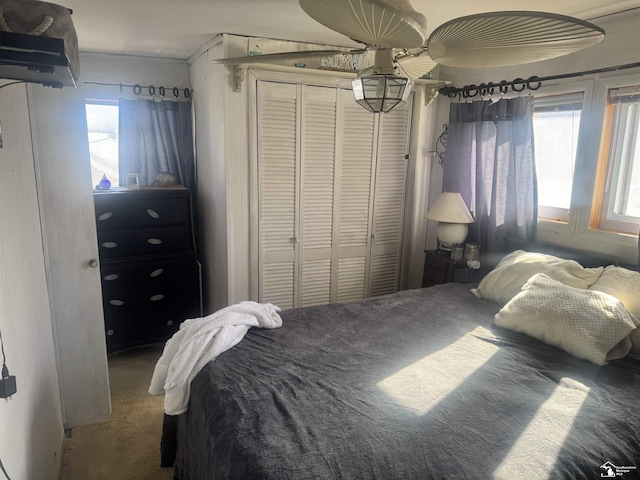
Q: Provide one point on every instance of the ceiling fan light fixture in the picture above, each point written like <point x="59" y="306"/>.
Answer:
<point x="379" y="88"/>
<point x="381" y="93"/>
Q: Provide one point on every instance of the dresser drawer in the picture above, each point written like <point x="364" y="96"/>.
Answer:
<point x="151" y="241"/>
<point x="152" y="273"/>
<point x="142" y="209"/>
<point x="439" y="268"/>
<point x="148" y="302"/>
<point x="125" y="331"/>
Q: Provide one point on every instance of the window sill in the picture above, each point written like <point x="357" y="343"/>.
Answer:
<point x="620" y="247"/>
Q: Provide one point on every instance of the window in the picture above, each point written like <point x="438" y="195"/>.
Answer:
<point x="556" y="123"/>
<point x="619" y="170"/>
<point x="102" y="128"/>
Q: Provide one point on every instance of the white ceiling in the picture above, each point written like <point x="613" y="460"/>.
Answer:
<point x="178" y="28"/>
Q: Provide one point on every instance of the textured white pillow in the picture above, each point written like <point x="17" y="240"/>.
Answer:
<point x="624" y="284"/>
<point x="505" y="281"/>
<point x="585" y="323"/>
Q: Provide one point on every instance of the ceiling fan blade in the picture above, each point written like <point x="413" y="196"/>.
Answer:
<point x="385" y="23"/>
<point x="415" y="65"/>
<point x="509" y="38"/>
<point x="282" y="57"/>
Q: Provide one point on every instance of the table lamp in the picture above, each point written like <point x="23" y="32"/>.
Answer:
<point x="452" y="216"/>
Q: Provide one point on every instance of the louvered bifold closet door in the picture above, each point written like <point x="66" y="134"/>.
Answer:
<point x="278" y="195"/>
<point x="389" y="200"/>
<point x="354" y="183"/>
<point x="318" y="148"/>
<point x="331" y="187"/>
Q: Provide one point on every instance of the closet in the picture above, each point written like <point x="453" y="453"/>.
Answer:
<point x="330" y="197"/>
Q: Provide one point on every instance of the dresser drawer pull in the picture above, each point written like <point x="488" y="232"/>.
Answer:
<point x="109" y="244"/>
<point x="153" y="213"/>
<point x="169" y="322"/>
<point x="156" y="272"/>
<point x="111" y="277"/>
<point x="116" y="303"/>
<point x="105" y="216"/>
<point x="110" y="332"/>
<point x="154" y="241"/>
<point x="156" y="298"/>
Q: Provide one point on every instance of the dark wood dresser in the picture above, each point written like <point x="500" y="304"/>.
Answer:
<point x="151" y="278"/>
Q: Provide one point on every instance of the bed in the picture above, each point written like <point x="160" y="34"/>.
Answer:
<point x="414" y="385"/>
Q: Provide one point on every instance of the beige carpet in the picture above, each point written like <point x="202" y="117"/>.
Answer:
<point x="127" y="447"/>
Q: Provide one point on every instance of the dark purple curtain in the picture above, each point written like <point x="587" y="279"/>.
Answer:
<point x="490" y="160"/>
<point x="155" y="137"/>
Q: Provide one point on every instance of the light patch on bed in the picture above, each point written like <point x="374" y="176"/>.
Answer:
<point x="538" y="446"/>
<point x="421" y="385"/>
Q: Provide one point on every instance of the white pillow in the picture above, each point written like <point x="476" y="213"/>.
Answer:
<point x="505" y="281"/>
<point x="623" y="284"/>
<point x="585" y="323"/>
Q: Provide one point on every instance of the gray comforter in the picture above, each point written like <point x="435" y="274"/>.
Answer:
<point x="413" y="385"/>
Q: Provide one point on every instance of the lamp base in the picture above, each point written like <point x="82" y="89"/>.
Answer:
<point x="451" y="235"/>
<point x="447" y="246"/>
<point x="453" y="251"/>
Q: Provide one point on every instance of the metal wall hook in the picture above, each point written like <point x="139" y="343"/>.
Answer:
<point x="441" y="144"/>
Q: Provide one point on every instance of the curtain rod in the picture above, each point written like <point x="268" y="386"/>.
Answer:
<point x="519" y="84"/>
<point x="137" y="89"/>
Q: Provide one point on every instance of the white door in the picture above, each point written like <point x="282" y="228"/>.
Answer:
<point x="61" y="154"/>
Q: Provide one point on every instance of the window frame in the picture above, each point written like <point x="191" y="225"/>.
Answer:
<point x="547" y="102"/>
<point x="580" y="232"/>
<point x="555" y="218"/>
<point x="610" y="162"/>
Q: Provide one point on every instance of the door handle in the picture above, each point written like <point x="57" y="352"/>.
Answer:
<point x="93" y="263"/>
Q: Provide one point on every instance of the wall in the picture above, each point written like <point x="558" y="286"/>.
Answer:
<point x="32" y="431"/>
<point x="619" y="47"/>
<point x="424" y="135"/>
<point x="208" y="82"/>
<point x="129" y="70"/>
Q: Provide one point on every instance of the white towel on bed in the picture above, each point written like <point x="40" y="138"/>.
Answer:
<point x="201" y="340"/>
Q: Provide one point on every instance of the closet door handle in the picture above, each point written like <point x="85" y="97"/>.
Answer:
<point x="93" y="263"/>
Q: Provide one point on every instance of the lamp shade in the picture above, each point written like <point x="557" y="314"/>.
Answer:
<point x="450" y="208"/>
<point x="452" y="216"/>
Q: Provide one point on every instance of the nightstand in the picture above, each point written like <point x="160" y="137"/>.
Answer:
<point x="439" y="268"/>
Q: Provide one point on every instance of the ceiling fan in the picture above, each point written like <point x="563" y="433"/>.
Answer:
<point x="403" y="53"/>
